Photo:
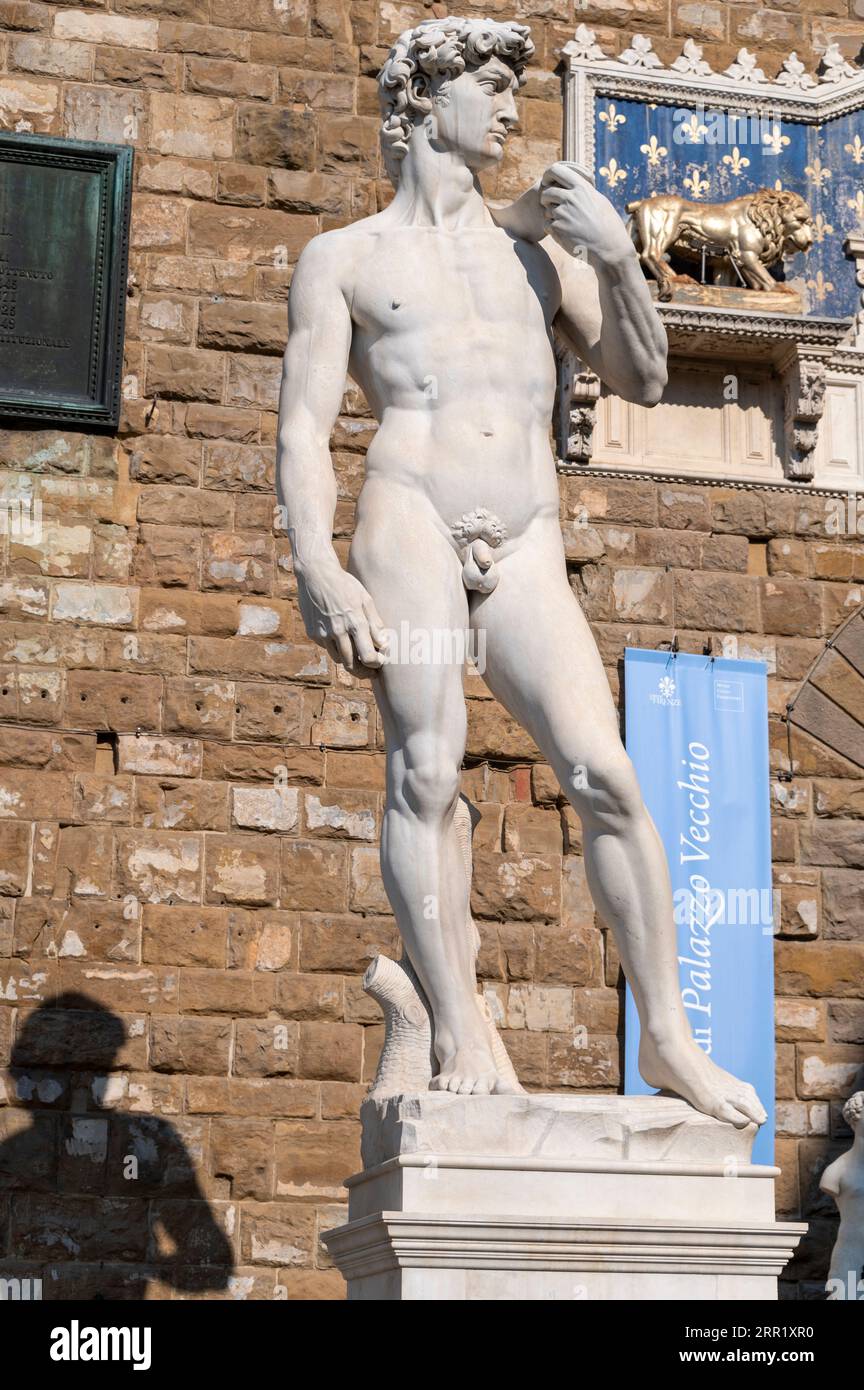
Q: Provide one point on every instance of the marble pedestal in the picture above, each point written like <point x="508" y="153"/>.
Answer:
<point x="557" y="1197"/>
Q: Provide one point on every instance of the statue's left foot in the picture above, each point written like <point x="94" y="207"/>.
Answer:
<point x="681" y="1067"/>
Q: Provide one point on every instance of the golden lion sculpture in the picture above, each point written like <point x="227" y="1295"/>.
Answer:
<point x="750" y="233"/>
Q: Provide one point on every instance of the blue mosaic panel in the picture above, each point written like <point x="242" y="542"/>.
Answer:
<point x="643" y="149"/>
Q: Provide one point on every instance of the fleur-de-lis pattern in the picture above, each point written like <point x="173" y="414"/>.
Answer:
<point x="737" y="162"/>
<point x="663" y="147"/>
<point x="821" y="228"/>
<point x="774" y="140"/>
<point x="816" y="172"/>
<point x="653" y="151"/>
<point x="696" y="185"/>
<point x="612" y="118"/>
<point x="693" y="130"/>
<point x="612" y="173"/>
<point x="820" y="286"/>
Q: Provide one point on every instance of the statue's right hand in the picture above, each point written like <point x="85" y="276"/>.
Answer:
<point x="340" y="615"/>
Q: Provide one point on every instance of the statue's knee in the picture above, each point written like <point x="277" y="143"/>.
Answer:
<point x="606" y="794"/>
<point x="431" y="786"/>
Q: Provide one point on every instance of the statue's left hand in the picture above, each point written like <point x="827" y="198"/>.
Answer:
<point x="579" y="218"/>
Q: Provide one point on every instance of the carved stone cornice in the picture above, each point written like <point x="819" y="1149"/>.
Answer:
<point x="836" y="89"/>
<point x="573" y="470"/>
<point x="747" y="333"/>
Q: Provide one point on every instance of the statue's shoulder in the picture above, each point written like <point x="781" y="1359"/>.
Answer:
<point x="831" y="1180"/>
<point x="335" y="253"/>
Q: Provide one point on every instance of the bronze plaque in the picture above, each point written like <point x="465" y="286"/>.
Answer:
<point x="64" y="239"/>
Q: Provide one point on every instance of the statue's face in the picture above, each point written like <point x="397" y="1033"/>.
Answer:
<point x="476" y="112"/>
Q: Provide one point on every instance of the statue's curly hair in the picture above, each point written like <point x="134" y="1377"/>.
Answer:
<point x="768" y="211"/>
<point x="438" y="48"/>
<point x="853" y="1109"/>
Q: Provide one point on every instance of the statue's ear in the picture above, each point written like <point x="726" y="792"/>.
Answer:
<point x="421" y="89"/>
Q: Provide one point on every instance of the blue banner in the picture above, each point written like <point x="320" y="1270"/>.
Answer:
<point x="697" y="732"/>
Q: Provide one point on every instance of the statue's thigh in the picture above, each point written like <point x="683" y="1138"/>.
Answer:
<point x="414" y="577"/>
<point x="542" y="662"/>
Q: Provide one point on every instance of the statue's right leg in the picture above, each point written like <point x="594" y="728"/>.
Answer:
<point x="414" y="576"/>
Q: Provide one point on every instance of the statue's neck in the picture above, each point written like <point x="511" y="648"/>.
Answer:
<point x="437" y="189"/>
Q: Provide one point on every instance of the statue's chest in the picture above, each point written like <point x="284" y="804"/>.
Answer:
<point x="468" y="279"/>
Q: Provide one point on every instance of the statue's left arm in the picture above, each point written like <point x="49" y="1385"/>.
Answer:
<point x="606" y="313"/>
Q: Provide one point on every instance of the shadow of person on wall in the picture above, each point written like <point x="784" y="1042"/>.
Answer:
<point x="100" y="1201"/>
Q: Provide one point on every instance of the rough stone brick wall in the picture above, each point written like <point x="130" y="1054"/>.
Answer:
<point x="190" y="796"/>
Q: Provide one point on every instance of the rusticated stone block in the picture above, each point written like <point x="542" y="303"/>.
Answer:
<point x="331" y="1051"/>
<point x="242" y="1152"/>
<point x="842" y="899"/>
<point x="314" y="875"/>
<point x="134" y="67"/>
<point x="517" y="886"/>
<point x="180" y="804"/>
<point x="277" y="137"/>
<point x="270" y="711"/>
<point x="238" y="992"/>
<point x="316" y="998"/>
<point x="98" y="1228"/>
<point x="829" y="1071"/>
<point x="341" y="815"/>
<point x="185" y="374"/>
<point x="313" y="1157"/>
<point x="179" y="935"/>
<point x="196" y="1045"/>
<point x="837" y="843"/>
<point x="20" y="15"/>
<point x="846" y="1022"/>
<point x="346" y="944"/>
<point x="237" y="560"/>
<point x="532" y="830"/>
<point x="199" y="706"/>
<point x="76" y="930"/>
<point x="260" y="235"/>
<point x="800" y="1020"/>
<point x="820" y="968"/>
<point x="266" y="1047"/>
<point x="243" y="327"/>
<point x="568" y="955"/>
<point x="242" y="869"/>
<point x="277" y="1233"/>
<point x="162" y="459"/>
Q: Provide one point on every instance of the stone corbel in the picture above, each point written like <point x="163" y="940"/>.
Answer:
<point x="580" y="392"/>
<point x="854" y="248"/>
<point x="803" y="404"/>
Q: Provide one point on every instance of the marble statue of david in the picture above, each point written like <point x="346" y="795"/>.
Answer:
<point x="443" y="311"/>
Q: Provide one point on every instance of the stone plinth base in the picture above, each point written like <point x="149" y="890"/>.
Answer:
<point x="558" y="1197"/>
<point x="686" y="291"/>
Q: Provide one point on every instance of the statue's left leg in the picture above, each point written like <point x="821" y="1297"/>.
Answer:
<point x="543" y="665"/>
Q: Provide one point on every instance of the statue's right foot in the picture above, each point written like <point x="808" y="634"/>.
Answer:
<point x="466" y="1068"/>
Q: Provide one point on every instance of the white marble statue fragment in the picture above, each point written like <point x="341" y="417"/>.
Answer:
<point x="443" y="311"/>
<point x="844" y="1181"/>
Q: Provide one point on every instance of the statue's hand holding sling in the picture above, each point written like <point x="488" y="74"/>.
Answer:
<point x="579" y="218"/>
